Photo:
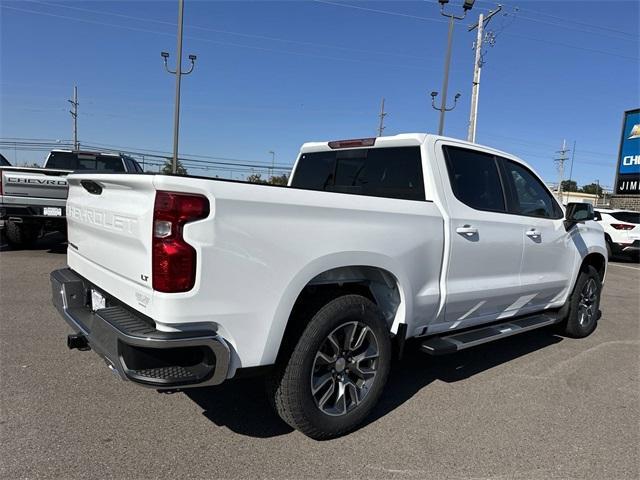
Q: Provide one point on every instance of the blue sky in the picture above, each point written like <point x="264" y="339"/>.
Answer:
<point x="272" y="75"/>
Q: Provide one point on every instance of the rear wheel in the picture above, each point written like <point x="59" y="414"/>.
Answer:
<point x="19" y="235"/>
<point x="584" y="305"/>
<point x="337" y="370"/>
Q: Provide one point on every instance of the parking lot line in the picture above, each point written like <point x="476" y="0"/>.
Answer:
<point x="624" y="266"/>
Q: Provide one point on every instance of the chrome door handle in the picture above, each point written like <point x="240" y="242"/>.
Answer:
<point x="533" y="233"/>
<point x="467" y="230"/>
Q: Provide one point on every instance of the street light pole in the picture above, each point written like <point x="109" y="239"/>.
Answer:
<point x="445" y="81"/>
<point x="178" y="73"/>
<point x="468" y="4"/>
<point x="176" y="112"/>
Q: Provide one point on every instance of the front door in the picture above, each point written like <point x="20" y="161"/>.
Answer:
<point x="549" y="252"/>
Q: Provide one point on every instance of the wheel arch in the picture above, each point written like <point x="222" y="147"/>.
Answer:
<point x="597" y="261"/>
<point x="374" y="277"/>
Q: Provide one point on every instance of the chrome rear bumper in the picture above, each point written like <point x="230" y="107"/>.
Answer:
<point x="131" y="345"/>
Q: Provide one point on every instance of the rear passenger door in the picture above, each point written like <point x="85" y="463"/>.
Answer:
<point x="483" y="267"/>
<point x="549" y="250"/>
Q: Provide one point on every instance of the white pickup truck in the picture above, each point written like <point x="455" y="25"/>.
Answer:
<point x="32" y="199"/>
<point x="183" y="281"/>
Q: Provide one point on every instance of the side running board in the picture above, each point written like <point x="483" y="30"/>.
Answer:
<point x="441" y="344"/>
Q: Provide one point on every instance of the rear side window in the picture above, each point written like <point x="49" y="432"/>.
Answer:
<point x="627" y="217"/>
<point x="530" y="197"/>
<point x="474" y="178"/>
<point x="378" y="172"/>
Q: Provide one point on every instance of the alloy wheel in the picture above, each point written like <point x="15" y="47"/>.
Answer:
<point x="344" y="368"/>
<point x="587" y="303"/>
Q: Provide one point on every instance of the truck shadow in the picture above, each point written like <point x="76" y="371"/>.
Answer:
<point x="242" y="406"/>
<point x="51" y="243"/>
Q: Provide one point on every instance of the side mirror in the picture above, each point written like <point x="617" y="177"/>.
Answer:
<point x="578" y="213"/>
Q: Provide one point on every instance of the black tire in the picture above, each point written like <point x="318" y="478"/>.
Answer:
<point x="290" y="385"/>
<point x="583" y="314"/>
<point x="20" y="236"/>
<point x="609" y="251"/>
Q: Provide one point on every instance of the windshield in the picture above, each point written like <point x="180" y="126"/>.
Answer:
<point x="78" y="161"/>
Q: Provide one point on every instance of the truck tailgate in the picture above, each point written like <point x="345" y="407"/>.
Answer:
<point x="34" y="182"/>
<point x="110" y="221"/>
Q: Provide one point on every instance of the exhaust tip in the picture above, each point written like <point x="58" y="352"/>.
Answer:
<point x="78" y="341"/>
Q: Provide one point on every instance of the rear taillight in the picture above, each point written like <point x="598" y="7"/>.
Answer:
<point x="622" y="226"/>
<point x="174" y="260"/>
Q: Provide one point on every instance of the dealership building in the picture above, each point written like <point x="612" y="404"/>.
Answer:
<point x="626" y="192"/>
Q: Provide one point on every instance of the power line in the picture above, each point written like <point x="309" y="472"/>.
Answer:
<point x="37" y="144"/>
<point x="228" y="32"/>
<point x="326" y="57"/>
<point x="228" y="44"/>
<point x="570" y="20"/>
<point x="387" y="12"/>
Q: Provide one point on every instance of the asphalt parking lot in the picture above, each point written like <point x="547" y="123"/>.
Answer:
<point x="536" y="406"/>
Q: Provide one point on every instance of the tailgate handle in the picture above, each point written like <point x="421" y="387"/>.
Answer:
<point x="91" y="186"/>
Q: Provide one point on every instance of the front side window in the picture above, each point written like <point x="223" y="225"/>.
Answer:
<point x="530" y="197"/>
<point x="474" y="178"/>
<point x="379" y="172"/>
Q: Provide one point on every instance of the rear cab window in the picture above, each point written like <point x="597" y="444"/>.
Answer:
<point x="389" y="172"/>
<point x="79" y="162"/>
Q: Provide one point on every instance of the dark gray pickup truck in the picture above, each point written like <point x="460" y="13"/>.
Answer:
<point x="33" y="200"/>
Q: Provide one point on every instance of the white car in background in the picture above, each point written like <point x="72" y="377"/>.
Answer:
<point x="621" y="230"/>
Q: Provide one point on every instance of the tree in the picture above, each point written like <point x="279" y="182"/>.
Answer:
<point x="255" y="178"/>
<point x="593" y="189"/>
<point x="167" y="168"/>
<point x="273" y="180"/>
<point x="569" y="186"/>
<point x="279" y="180"/>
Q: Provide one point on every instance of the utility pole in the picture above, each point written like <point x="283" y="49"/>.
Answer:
<point x="382" y="114"/>
<point x="477" y="70"/>
<point x="573" y="154"/>
<point x="273" y="162"/>
<point x="178" y="73"/>
<point x="562" y="157"/>
<point x="467" y="5"/>
<point x="74" y="114"/>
